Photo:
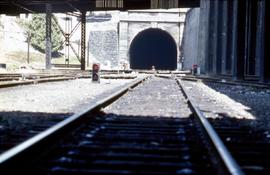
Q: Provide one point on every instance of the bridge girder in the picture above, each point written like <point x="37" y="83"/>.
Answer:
<point x="62" y="6"/>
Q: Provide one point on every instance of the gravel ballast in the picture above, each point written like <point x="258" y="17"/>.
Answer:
<point x="222" y="100"/>
<point x="158" y="97"/>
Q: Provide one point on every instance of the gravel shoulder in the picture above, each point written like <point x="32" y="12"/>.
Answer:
<point x="55" y="97"/>
<point x="26" y="106"/>
<point x="242" y="102"/>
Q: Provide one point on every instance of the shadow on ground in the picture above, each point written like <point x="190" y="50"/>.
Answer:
<point x="17" y="126"/>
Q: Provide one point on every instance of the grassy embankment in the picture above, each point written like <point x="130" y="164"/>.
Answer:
<point x="15" y="59"/>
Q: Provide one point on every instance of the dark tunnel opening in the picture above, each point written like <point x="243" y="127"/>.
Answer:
<point x="153" y="47"/>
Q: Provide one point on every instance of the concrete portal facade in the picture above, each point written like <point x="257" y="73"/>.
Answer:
<point x="131" y="23"/>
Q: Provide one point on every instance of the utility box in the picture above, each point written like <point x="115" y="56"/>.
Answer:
<point x="95" y="73"/>
<point x="3" y="66"/>
<point x="195" y="69"/>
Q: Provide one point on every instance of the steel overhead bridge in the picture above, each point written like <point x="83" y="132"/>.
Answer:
<point x="39" y="6"/>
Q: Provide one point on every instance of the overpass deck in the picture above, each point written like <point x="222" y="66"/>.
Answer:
<point x="39" y="6"/>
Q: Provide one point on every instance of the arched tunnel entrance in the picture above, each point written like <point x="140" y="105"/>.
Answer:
<point x="153" y="47"/>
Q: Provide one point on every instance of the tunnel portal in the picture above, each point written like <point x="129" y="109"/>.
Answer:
<point x="153" y="47"/>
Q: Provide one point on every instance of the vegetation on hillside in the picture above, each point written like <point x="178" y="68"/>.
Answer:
<point x="36" y="28"/>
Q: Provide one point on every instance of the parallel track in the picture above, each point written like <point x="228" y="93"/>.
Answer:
<point x="225" y="80"/>
<point x="10" y="80"/>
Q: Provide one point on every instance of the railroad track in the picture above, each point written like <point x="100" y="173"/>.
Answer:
<point x="224" y="80"/>
<point x="10" y="80"/>
<point x="93" y="142"/>
<point x="128" y="145"/>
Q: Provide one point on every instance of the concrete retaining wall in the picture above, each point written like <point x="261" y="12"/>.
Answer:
<point x="190" y="40"/>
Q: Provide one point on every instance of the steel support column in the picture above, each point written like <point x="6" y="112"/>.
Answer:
<point x="212" y="62"/>
<point x="204" y="36"/>
<point x="247" y="36"/>
<point x="83" y="38"/>
<point x="48" y="49"/>
<point x="260" y="38"/>
<point x="224" y="36"/>
<point x="267" y="41"/>
<point x="234" y="39"/>
<point x="241" y="38"/>
<point x="214" y="48"/>
<point x="219" y="37"/>
<point x="229" y="38"/>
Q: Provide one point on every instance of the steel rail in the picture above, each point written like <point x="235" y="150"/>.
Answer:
<point x="5" y="84"/>
<point x="224" y="153"/>
<point x="225" y="80"/>
<point x="9" y="158"/>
